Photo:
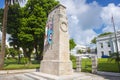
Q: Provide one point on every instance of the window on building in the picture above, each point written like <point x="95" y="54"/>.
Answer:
<point x="102" y="53"/>
<point x="108" y="44"/>
<point x="101" y="45"/>
<point x="109" y="52"/>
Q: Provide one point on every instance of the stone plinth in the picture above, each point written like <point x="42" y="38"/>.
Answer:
<point x="56" y="59"/>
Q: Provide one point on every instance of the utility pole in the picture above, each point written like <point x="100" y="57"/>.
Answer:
<point x="117" y="52"/>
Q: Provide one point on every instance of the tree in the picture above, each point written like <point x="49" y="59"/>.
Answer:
<point x="12" y="52"/>
<point x="32" y="27"/>
<point x="1" y="17"/>
<point x="104" y="34"/>
<point x="101" y="35"/>
<point x="79" y="51"/>
<point x="71" y="44"/>
<point x="3" y="43"/>
<point x="14" y="17"/>
<point x="93" y="40"/>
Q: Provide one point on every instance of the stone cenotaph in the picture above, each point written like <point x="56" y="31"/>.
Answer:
<point x="56" y="57"/>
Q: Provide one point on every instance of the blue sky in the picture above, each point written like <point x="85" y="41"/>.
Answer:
<point x="105" y="2"/>
<point x="89" y="18"/>
<point x="1" y="3"/>
<point x="100" y="2"/>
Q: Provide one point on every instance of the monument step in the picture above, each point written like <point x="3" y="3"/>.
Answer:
<point x="19" y="76"/>
<point x="75" y="76"/>
<point x="34" y="76"/>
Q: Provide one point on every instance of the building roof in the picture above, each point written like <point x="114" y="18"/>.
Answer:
<point x="109" y="36"/>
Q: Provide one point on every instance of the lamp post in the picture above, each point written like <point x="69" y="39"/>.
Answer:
<point x="117" y="52"/>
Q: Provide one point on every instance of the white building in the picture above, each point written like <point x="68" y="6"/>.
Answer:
<point x="106" y="44"/>
<point x="78" y="47"/>
<point x="81" y="47"/>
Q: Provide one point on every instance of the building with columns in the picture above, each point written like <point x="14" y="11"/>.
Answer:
<point x="106" y="44"/>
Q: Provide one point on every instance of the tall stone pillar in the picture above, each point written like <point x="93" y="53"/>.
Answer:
<point x="56" y="59"/>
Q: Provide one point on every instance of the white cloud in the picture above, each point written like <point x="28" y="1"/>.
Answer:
<point x="22" y="4"/>
<point x="7" y="38"/>
<point x="84" y="17"/>
<point x="106" y="15"/>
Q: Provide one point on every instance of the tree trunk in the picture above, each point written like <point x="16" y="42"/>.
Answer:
<point x="3" y="43"/>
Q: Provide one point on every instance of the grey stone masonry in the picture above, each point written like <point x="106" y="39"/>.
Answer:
<point x="56" y="58"/>
<point x="78" y="63"/>
<point x="94" y="63"/>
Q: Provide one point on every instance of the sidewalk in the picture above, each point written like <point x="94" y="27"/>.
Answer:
<point x="32" y="74"/>
<point x="2" y="72"/>
<point x="16" y="71"/>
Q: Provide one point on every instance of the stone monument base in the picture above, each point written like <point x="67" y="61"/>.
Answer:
<point x="56" y="67"/>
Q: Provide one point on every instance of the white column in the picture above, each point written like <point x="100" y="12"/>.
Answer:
<point x="118" y="44"/>
<point x="114" y="45"/>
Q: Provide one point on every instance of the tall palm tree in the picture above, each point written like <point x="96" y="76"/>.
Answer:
<point x="3" y="43"/>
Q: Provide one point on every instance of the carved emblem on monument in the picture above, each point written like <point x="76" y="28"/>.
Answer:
<point x="64" y="27"/>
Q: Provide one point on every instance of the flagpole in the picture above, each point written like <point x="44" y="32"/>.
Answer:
<point x="116" y="43"/>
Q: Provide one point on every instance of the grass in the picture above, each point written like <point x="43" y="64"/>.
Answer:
<point x="103" y="65"/>
<point x="20" y="66"/>
<point x="12" y="64"/>
<point x="86" y="65"/>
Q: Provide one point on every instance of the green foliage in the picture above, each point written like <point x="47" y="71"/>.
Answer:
<point x="86" y="65"/>
<point x="104" y="34"/>
<point x="114" y="56"/>
<point x="11" y="64"/>
<point x="1" y="16"/>
<point x="73" y="59"/>
<point x="14" y="16"/>
<point x="13" y="52"/>
<point x="33" y="25"/>
<point x="71" y="44"/>
<point x="27" y="25"/>
<point x="93" y="40"/>
<point x="79" y="51"/>
<point x="104" y="65"/>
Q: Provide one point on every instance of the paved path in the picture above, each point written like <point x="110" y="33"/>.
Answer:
<point x="38" y="76"/>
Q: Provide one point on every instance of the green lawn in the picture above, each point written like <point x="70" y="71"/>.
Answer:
<point x="11" y="64"/>
<point x="103" y="65"/>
